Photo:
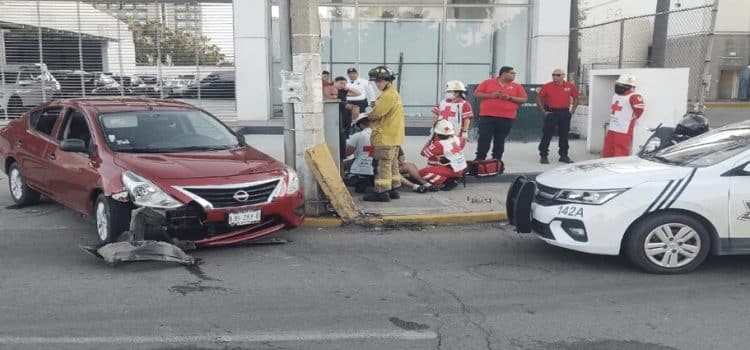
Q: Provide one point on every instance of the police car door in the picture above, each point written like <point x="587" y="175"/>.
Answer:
<point x="739" y="205"/>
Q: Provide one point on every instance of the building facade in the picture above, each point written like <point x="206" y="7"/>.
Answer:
<point x="176" y="15"/>
<point x="435" y="40"/>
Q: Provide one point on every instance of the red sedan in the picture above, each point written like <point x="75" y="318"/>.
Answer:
<point x="170" y="170"/>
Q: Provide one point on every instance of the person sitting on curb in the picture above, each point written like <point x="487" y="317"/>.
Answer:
<point x="445" y="157"/>
<point x="410" y="175"/>
<point x="360" y="169"/>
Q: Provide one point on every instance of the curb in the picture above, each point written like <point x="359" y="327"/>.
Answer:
<point x="421" y="219"/>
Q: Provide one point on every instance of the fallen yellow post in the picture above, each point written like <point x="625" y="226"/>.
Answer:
<point x="320" y="161"/>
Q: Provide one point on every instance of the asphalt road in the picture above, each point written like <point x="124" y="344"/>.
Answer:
<point x="469" y="287"/>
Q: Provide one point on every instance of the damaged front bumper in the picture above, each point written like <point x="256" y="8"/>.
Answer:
<point x="164" y="234"/>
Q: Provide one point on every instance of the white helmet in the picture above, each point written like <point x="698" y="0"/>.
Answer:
<point x="455" y="85"/>
<point x="627" y="79"/>
<point x="444" y="127"/>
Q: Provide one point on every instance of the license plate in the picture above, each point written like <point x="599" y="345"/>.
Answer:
<point x="244" y="218"/>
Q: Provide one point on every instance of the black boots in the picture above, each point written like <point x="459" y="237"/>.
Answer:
<point x="377" y="197"/>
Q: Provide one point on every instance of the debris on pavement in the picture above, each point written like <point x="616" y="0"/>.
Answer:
<point x="147" y="250"/>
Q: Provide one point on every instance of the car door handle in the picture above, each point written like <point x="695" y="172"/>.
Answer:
<point x="51" y="156"/>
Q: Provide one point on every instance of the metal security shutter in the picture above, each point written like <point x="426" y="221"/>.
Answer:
<point x="128" y="48"/>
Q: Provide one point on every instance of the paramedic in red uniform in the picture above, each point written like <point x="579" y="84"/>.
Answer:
<point x="558" y="101"/>
<point x="445" y="157"/>
<point x="454" y="108"/>
<point x="497" y="111"/>
<point x="627" y="106"/>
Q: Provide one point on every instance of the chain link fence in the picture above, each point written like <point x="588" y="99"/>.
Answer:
<point x="179" y="49"/>
<point x="627" y="43"/>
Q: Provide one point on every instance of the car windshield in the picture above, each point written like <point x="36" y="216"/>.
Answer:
<point x="165" y="132"/>
<point x="708" y="149"/>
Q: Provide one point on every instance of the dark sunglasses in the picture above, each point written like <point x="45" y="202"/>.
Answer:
<point x="557" y="75"/>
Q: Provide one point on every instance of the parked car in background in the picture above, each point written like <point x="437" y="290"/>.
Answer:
<point x="25" y="86"/>
<point x="214" y="85"/>
<point x="177" y="86"/>
<point x="82" y="84"/>
<point x="175" y="170"/>
<point x="151" y="86"/>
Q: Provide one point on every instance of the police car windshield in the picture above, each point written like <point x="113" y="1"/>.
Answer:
<point x="708" y="149"/>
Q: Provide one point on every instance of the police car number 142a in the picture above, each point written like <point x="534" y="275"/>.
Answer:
<point x="570" y="210"/>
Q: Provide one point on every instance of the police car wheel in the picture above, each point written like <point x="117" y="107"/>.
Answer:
<point x="511" y="196"/>
<point x="522" y="207"/>
<point x="667" y="243"/>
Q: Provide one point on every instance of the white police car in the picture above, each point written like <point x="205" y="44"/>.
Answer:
<point x="665" y="212"/>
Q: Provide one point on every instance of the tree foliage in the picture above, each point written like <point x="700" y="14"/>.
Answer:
<point x="153" y="39"/>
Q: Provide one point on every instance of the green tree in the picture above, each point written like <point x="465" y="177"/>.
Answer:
<point x="177" y="47"/>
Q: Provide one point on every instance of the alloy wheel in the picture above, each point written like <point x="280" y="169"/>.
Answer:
<point x="101" y="221"/>
<point x="16" y="184"/>
<point x="672" y="245"/>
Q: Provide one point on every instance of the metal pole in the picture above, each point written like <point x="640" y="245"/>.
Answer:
<point x="661" y="27"/>
<point x="198" y="75"/>
<point x="706" y="79"/>
<point x="2" y="80"/>
<point x="622" y="36"/>
<point x="41" y="50"/>
<point x="573" y="59"/>
<point x="80" y="48"/>
<point x="285" y="36"/>
<point x="158" y="48"/>
<point x="119" y="50"/>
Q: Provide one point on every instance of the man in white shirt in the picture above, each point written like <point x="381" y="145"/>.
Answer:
<point x="360" y="168"/>
<point x="363" y="86"/>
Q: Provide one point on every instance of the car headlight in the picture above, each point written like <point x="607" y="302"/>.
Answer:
<point x="588" y="197"/>
<point x="145" y="194"/>
<point x="292" y="181"/>
<point x="652" y="145"/>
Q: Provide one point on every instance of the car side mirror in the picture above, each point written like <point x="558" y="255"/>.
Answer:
<point x="73" y="145"/>
<point x="241" y="139"/>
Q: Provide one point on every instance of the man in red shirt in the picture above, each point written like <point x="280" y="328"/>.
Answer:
<point x="555" y="100"/>
<point x="500" y="100"/>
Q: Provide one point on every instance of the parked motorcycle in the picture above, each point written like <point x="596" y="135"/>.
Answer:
<point x="691" y="125"/>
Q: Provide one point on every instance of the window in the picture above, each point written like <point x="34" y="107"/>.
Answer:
<point x="75" y="127"/>
<point x="180" y="24"/>
<point x="165" y="132"/>
<point x="44" y="120"/>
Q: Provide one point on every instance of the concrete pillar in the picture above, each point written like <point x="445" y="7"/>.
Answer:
<point x="550" y="21"/>
<point x="2" y="46"/>
<point x="252" y="71"/>
<point x="308" y="113"/>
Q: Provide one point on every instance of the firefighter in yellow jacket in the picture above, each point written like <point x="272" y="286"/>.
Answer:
<point x="388" y="131"/>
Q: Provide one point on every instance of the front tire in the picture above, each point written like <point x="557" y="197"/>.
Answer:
<point x="21" y="193"/>
<point x="668" y="243"/>
<point x="112" y="219"/>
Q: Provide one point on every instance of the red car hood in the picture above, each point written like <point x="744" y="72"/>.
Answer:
<point x="192" y="165"/>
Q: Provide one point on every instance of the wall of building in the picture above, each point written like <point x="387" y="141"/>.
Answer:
<point x="549" y="38"/>
<point x="251" y="42"/>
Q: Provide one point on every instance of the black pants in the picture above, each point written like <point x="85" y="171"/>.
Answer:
<point x="558" y="119"/>
<point x="492" y="128"/>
